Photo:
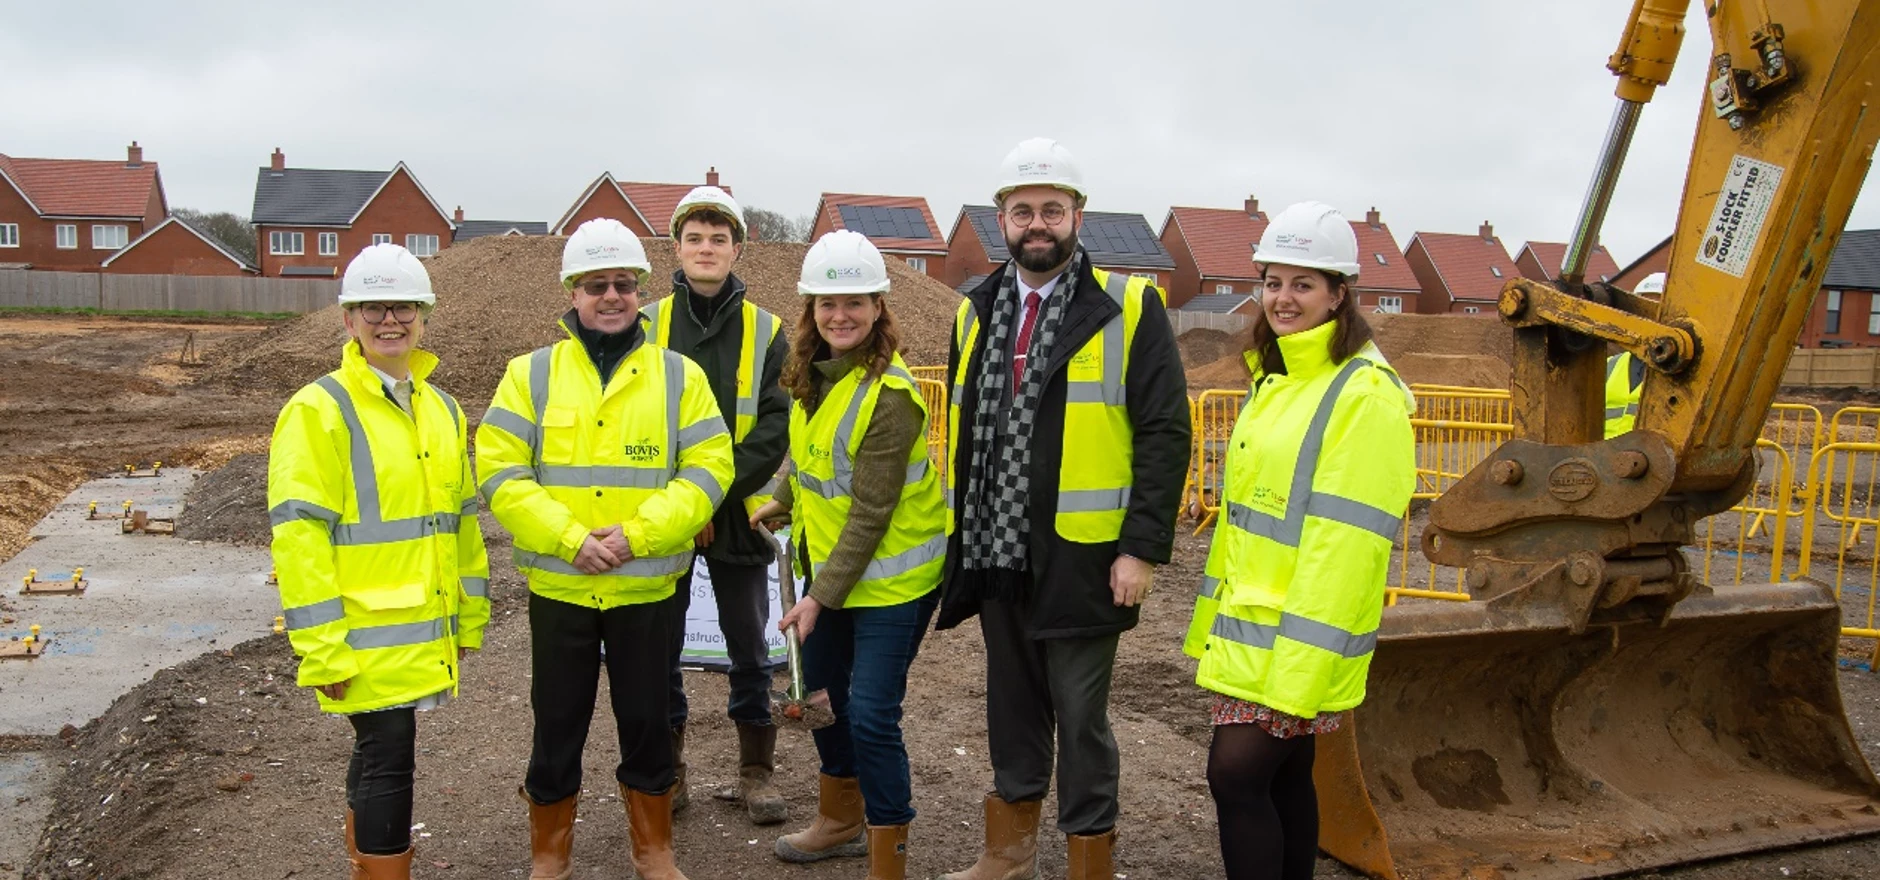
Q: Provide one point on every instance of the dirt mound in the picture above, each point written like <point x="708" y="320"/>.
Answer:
<point x="497" y="297"/>
<point x="1202" y="346"/>
<point x="1464" y="370"/>
<point x="1400" y="335"/>
<point x="1228" y="372"/>
<point x="229" y="504"/>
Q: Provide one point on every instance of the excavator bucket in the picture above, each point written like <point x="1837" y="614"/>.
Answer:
<point x="1496" y="743"/>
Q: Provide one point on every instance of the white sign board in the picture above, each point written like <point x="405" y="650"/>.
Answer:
<point x="1736" y="223"/>
<point x="705" y="642"/>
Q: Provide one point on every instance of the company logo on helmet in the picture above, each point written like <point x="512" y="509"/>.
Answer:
<point x="838" y="272"/>
<point x="1291" y="240"/>
<point x="378" y="281"/>
<point x="1034" y="168"/>
<point x="603" y="250"/>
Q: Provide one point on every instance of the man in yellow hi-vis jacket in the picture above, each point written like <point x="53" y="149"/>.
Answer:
<point x="604" y="456"/>
<point x="382" y="572"/>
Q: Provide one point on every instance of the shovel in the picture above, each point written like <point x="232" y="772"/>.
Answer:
<point x="795" y="707"/>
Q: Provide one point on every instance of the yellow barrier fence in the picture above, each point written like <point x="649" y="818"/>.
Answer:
<point x="1214" y="415"/>
<point x="934" y="393"/>
<point x="1843" y="475"/>
<point x="937" y="374"/>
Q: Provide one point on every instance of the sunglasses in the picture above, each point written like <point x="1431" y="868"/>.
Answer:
<point x="598" y="287"/>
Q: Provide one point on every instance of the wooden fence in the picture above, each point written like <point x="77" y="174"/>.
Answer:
<point x="182" y="293"/>
<point x="1182" y="322"/>
<point x="1833" y="368"/>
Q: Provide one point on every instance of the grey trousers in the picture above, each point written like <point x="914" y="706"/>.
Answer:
<point x="1041" y="690"/>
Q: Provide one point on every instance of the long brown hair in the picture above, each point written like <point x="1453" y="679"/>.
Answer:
<point x="809" y="347"/>
<point x="1352" y="333"/>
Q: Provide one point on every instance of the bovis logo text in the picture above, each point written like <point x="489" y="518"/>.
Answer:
<point x="644" y="451"/>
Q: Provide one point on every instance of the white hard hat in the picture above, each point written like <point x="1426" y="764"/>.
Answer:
<point x="843" y="261"/>
<point x="386" y="273"/>
<point x="709" y="198"/>
<point x="1653" y="285"/>
<point x="602" y="244"/>
<point x="1040" y="162"/>
<point x="1312" y="235"/>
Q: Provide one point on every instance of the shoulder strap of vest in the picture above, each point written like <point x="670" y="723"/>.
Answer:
<point x="763" y="315"/>
<point x="661" y="319"/>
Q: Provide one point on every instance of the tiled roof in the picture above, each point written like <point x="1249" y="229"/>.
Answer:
<point x="1472" y="267"/>
<point x="985" y="222"/>
<point x="193" y="230"/>
<point x="470" y="229"/>
<point x="1856" y="261"/>
<point x="1600" y="266"/>
<point x="1381" y="265"/>
<point x="1220" y="239"/>
<point x="1220" y="303"/>
<point x="83" y="187"/>
<point x="313" y="196"/>
<point x="970" y="284"/>
<point x="878" y="217"/>
<point x="657" y="201"/>
<point x="1112" y="239"/>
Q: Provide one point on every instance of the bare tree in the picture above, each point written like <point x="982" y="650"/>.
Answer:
<point x="772" y="226"/>
<point x="231" y="231"/>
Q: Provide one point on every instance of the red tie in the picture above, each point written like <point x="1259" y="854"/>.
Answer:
<point x="1019" y="351"/>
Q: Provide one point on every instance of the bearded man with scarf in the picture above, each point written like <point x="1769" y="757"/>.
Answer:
<point x="1052" y="545"/>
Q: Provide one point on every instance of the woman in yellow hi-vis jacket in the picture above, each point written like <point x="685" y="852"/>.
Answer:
<point x="1319" y="473"/>
<point x="381" y="566"/>
<point x="869" y="524"/>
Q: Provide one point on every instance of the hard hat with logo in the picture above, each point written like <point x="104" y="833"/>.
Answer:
<point x="843" y="261"/>
<point x="1040" y="162"/>
<point x="1311" y="235"/>
<point x="602" y="244"/>
<point x="1653" y="285"/>
<point x="386" y="273"/>
<point x="709" y="198"/>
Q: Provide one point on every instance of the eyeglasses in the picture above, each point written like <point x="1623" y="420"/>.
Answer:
<point x="1054" y="215"/>
<point x="403" y="313"/>
<point x="598" y="287"/>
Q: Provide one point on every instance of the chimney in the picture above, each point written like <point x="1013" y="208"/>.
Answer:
<point x="1373" y="217"/>
<point x="135" y="158"/>
<point x="1488" y="232"/>
<point x="458" y="217"/>
<point x="278" y="161"/>
<point x="711" y="176"/>
<point x="1253" y="208"/>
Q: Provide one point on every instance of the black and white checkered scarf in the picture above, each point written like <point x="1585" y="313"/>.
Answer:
<point x="994" y="526"/>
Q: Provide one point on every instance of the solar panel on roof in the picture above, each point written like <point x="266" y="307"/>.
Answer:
<point x="885" y="222"/>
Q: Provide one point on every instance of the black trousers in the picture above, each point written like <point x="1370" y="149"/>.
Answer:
<point x="743" y="596"/>
<point x="565" y="642"/>
<point x="1038" y="690"/>
<point x="379" y="779"/>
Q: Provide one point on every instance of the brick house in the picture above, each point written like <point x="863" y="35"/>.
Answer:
<point x="469" y="229"/>
<point x="1214" y="255"/>
<point x="1654" y="260"/>
<point x="70" y="214"/>
<point x="1846" y="311"/>
<point x="309" y="222"/>
<point x="1116" y="243"/>
<point x="900" y="226"/>
<point x="1459" y="274"/>
<point x="1540" y="260"/>
<point x="176" y="247"/>
<point x="645" y="208"/>
<point x="1385" y="281"/>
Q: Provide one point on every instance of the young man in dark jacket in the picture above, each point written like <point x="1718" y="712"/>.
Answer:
<point x="741" y="349"/>
<point x="1055" y="551"/>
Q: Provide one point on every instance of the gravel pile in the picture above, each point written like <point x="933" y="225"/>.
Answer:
<point x="229" y="504"/>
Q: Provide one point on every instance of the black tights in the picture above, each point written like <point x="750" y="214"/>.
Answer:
<point x="1264" y="802"/>
<point x="379" y="779"/>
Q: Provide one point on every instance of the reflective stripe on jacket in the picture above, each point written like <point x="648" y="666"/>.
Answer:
<point x="375" y="540"/>
<point x="760" y="327"/>
<point x="559" y="456"/>
<point x="907" y="564"/>
<point x="1621" y="395"/>
<point x="1318" y="476"/>
<point x="1093" y="485"/>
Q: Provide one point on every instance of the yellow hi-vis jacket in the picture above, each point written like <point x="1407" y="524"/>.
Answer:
<point x="907" y="563"/>
<point x="760" y="328"/>
<point x="1621" y="395"/>
<point x="1318" y="477"/>
<point x="376" y="546"/>
<point x="1093" y="482"/>
<point x="560" y="456"/>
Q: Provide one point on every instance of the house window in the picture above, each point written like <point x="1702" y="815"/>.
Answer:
<point x="918" y="264"/>
<point x="329" y="244"/>
<point x="66" y="235"/>
<point x="1496" y="270"/>
<point x="9" y="235"/>
<point x="1148" y="275"/>
<point x="1223" y="289"/>
<point x="1380" y="259"/>
<point x="421" y="245"/>
<point x="1390" y="304"/>
<point x="1470" y="310"/>
<point x="381" y="238"/>
<point x="1873" y="315"/>
<point x="287" y="244"/>
<point x="1834" y="312"/>
<point x="109" y="238"/>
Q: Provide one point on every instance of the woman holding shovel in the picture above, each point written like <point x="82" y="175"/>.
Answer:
<point x="869" y="531"/>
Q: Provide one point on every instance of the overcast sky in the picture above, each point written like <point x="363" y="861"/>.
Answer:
<point x="1441" y="114"/>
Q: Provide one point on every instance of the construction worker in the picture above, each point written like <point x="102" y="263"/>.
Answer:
<point x="741" y="349"/>
<point x="604" y="456"/>
<point x="1625" y="374"/>
<point x="1055" y="551"/>
<point x="1318" y="476"/>
<point x="869" y="527"/>
<point x="376" y="547"/>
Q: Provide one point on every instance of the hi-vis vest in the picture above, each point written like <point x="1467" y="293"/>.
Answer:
<point x="1318" y="476"/>
<point x="376" y="547"/>
<point x="1621" y="395"/>
<point x="908" y="562"/>
<point x="560" y="455"/>
<point x="1093" y="481"/>
<point x="760" y="329"/>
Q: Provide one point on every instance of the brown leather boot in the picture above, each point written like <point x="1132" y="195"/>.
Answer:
<point x="551" y="837"/>
<point x="681" y="795"/>
<point x="1011" y="851"/>
<point x="757" y="761"/>
<point x="649" y="820"/>
<point x="887" y="852"/>
<point x="837" y="829"/>
<point x="1088" y="856"/>
<point x="396" y="867"/>
<point x="352" y="848"/>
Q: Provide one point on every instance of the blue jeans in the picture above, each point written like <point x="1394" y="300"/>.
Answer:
<point x="861" y="657"/>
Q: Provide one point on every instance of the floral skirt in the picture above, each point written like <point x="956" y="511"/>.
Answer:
<point x="1230" y="710"/>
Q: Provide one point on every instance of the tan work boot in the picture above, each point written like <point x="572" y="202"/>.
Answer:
<point x="887" y="852"/>
<point x="681" y="795"/>
<point x="649" y="820"/>
<point x="352" y="848"/>
<point x="1088" y="856"/>
<point x="551" y="837"/>
<point x="757" y="761"/>
<point x="396" y="867"/>
<point x="1011" y="851"/>
<point x="837" y="829"/>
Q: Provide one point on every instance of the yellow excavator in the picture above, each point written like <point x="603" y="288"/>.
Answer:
<point x="1595" y="709"/>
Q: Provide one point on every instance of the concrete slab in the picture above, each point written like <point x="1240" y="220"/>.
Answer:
<point x="26" y="785"/>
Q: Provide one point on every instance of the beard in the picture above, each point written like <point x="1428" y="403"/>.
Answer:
<point x="1042" y="261"/>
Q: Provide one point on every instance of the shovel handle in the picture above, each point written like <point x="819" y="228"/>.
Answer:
<point x="786" y="587"/>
